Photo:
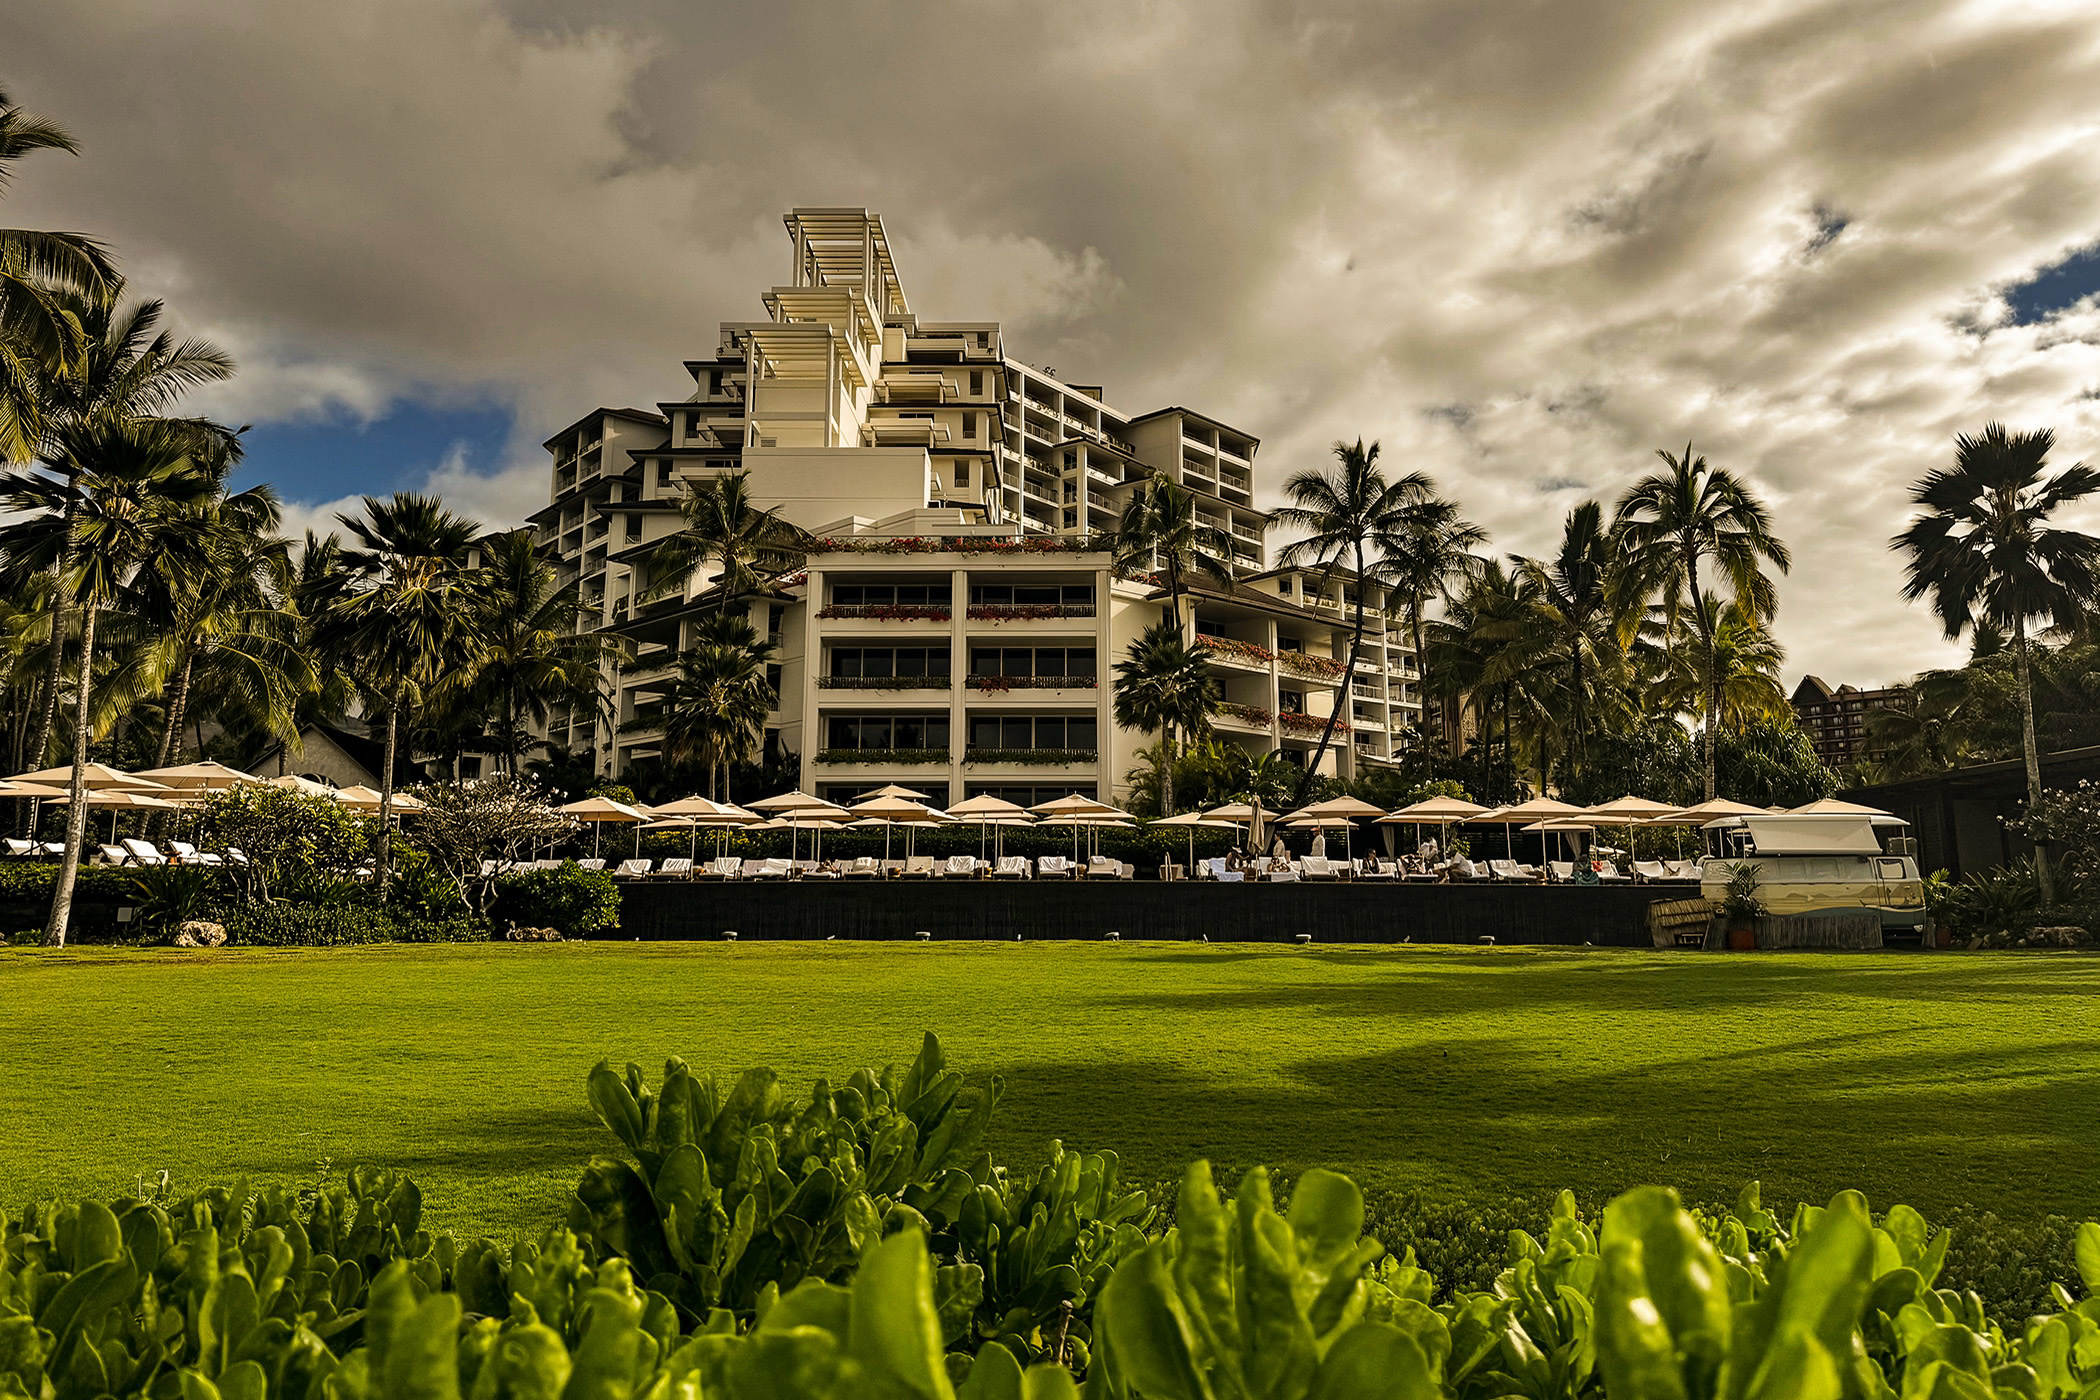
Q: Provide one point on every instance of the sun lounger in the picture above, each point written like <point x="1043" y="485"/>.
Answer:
<point x="726" y="867"/>
<point x="862" y="868"/>
<point x="1011" y="868"/>
<point x="1608" y="873"/>
<point x="1512" y="872"/>
<point x="676" y="868"/>
<point x="186" y="854"/>
<point x="236" y="856"/>
<point x="775" y="868"/>
<point x="1650" y="870"/>
<point x="918" y="867"/>
<point x="1319" y="868"/>
<point x="1683" y="869"/>
<point x="142" y="852"/>
<point x="53" y="849"/>
<point x="1562" y="871"/>
<point x="633" y="869"/>
<point x="1283" y="875"/>
<point x="594" y="863"/>
<point x="1053" y="868"/>
<point x="19" y="848"/>
<point x="113" y="855"/>
<point x="960" y="867"/>
<point x="1103" y="868"/>
<point x="489" y="869"/>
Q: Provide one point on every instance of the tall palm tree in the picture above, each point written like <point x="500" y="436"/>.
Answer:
<point x="1163" y="684"/>
<point x="724" y="526"/>
<point x="1986" y="551"/>
<point x="532" y="655"/>
<point x="127" y="487"/>
<point x="1674" y="521"/>
<point x="39" y="333"/>
<point x="1571" y="611"/>
<point x="127" y="368"/>
<point x="403" y="620"/>
<point x="715" y="707"/>
<point x="1159" y="530"/>
<point x="1434" y="549"/>
<point x="1738" y="673"/>
<point x="1353" y="518"/>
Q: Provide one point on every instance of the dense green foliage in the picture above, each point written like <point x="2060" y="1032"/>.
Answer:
<point x="569" y="899"/>
<point x="344" y="925"/>
<point x="805" y="1270"/>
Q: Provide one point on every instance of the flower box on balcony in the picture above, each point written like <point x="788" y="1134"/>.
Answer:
<point x="890" y="612"/>
<point x="882" y="683"/>
<point x="1252" y="714"/>
<point x="1319" y="667"/>
<point x="1038" y="758"/>
<point x="1027" y="612"/>
<point x="999" y="685"/>
<point x="882" y="756"/>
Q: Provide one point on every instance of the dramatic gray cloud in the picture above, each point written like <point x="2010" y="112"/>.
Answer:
<point x="1521" y="246"/>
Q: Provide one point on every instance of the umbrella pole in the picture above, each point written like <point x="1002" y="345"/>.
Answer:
<point x="597" y="835"/>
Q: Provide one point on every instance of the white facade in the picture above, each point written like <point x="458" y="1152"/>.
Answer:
<point x="935" y="467"/>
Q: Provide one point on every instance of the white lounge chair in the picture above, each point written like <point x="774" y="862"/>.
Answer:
<point x="1560" y="871"/>
<point x="1053" y="868"/>
<point x="775" y="868"/>
<point x="676" y="868"/>
<point x="963" y="867"/>
<point x="863" y="868"/>
<point x="1104" y="868"/>
<point x="1610" y="874"/>
<point x="113" y="855"/>
<point x="726" y="867"/>
<point x="919" y="867"/>
<point x="186" y="854"/>
<point x="1319" y="868"/>
<point x="53" y="849"/>
<point x="1377" y="870"/>
<point x="19" y="848"/>
<point x="236" y="856"/>
<point x="594" y="863"/>
<point x="1683" y="870"/>
<point x="1512" y="872"/>
<point x="489" y="869"/>
<point x="1011" y="868"/>
<point x="633" y="869"/>
<point x="1650" y="870"/>
<point x="1288" y="874"/>
<point x="142" y="852"/>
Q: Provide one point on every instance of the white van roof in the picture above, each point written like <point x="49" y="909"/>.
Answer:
<point x="1807" y="834"/>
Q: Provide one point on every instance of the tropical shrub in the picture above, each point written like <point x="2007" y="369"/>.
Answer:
<point x="290" y="838"/>
<point x="171" y="895"/>
<point x="576" y="902"/>
<point x="502" y="818"/>
<point x="344" y="925"/>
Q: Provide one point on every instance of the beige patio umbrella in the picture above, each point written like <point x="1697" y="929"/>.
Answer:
<point x="1629" y="812"/>
<point x="988" y="812"/>
<point x="1439" y="812"/>
<point x="894" y="790"/>
<point x="788" y="802"/>
<point x="693" y="813"/>
<point x="1830" y="806"/>
<point x="889" y="810"/>
<point x="41" y="792"/>
<point x="1076" y="805"/>
<point x="99" y="777"/>
<point x="206" y="775"/>
<point x="366" y="799"/>
<point x="1344" y="811"/>
<point x="117" y="800"/>
<point x="299" y="784"/>
<point x="1538" y="809"/>
<point x="1248" y="814"/>
<point x="820" y="819"/>
<point x="601" y="812"/>
<point x="1192" y="820"/>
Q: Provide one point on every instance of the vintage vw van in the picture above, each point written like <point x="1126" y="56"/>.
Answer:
<point x="1820" y="863"/>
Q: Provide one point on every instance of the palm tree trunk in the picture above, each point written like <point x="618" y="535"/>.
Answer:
<point x="383" y="848"/>
<point x="1356" y="642"/>
<point x="1166" y="770"/>
<point x="510" y="730"/>
<point x="1706" y="637"/>
<point x="47" y="711"/>
<point x="2031" y="749"/>
<point x="76" y="811"/>
<point x="171" y="732"/>
<point x="1414" y="630"/>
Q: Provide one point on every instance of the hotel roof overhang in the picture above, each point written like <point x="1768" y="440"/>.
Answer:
<point x="639" y="415"/>
<point x="1276" y="607"/>
<point x="1200" y="417"/>
<point x="839" y="241"/>
<point x="806" y="350"/>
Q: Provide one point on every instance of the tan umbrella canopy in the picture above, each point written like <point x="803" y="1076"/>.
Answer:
<point x="788" y="802"/>
<point x="1349" y="807"/>
<point x="1830" y="806"/>
<point x="706" y="812"/>
<point x="118" y="800"/>
<point x="305" y="785"/>
<point x="897" y="810"/>
<point x="1629" y="808"/>
<point x="1713" y="809"/>
<point x="100" y="777"/>
<point x="41" y="791"/>
<point x="365" y="798"/>
<point x="893" y="790"/>
<point x="1192" y="820"/>
<point x="207" y="775"/>
<point x="1435" y="810"/>
<point x="599" y="811"/>
<point x="988" y="811"/>
<point x="1076" y="805"/>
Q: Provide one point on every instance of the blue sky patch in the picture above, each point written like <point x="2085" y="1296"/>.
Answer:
<point x="328" y="458"/>
<point x="2053" y="288"/>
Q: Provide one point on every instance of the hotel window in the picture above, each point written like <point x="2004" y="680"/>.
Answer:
<point x="890" y="661"/>
<point x="887" y="732"/>
<point x="977" y="378"/>
<point x="1031" y="732"/>
<point x="1291" y="702"/>
<point x="962" y="474"/>
<point x="969" y="425"/>
<point x="1026" y="594"/>
<point x="903" y="595"/>
<point x="1283" y="586"/>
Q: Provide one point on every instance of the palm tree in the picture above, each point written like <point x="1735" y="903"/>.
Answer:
<point x="715" y="707"/>
<point x="403" y="620"/>
<point x="1163" y="684"/>
<point x="1432" y="551"/>
<point x="1986" y="552"/>
<point x="1571" y="611"/>
<point x="1353" y="517"/>
<point x="127" y="368"/>
<point x="1469" y="653"/>
<point x="748" y="546"/>
<point x="532" y="655"/>
<point x="1159" y="530"/>
<point x="1673" y="521"/>
<point x="39" y="334"/>
<point x="127" y="489"/>
<point x="1738" y="673"/>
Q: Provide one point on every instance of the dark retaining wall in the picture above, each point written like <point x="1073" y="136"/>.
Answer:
<point x="1038" y="909"/>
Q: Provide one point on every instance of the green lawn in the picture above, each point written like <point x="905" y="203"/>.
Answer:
<point x="1941" y="1080"/>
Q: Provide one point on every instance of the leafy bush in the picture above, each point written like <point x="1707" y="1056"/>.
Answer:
<point x="344" y="925"/>
<point x="416" y="885"/>
<point x="171" y="895"/>
<point x="292" y="839"/>
<point x="568" y="898"/>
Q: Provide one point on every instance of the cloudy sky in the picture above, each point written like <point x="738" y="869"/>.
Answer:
<point x="1523" y="245"/>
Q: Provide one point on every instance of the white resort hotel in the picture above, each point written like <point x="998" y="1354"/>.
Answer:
<point x="956" y="626"/>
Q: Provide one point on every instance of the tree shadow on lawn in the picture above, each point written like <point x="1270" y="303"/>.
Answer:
<point x="2006" y="1128"/>
<point x="510" y="1141"/>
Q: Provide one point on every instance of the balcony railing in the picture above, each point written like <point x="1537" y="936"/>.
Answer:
<point x="941" y="682"/>
<point x="995" y="685"/>
<point x="1027" y="612"/>
<point x="1033" y="758"/>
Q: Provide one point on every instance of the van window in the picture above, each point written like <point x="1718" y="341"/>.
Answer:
<point x="1889" y="869"/>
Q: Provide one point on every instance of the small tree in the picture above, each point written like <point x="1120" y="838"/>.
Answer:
<point x="499" y="819"/>
<point x="288" y="837"/>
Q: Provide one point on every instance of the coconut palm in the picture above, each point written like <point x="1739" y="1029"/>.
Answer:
<point x="532" y="655"/>
<point x="1163" y="685"/>
<point x="1159" y="531"/>
<point x="39" y="333"/>
<point x="1571" y="610"/>
<point x="1985" y="550"/>
<point x="1434" y="549"/>
<point x="1474" y="663"/>
<point x="128" y="488"/>
<point x="724" y="527"/>
<point x="127" y="367"/>
<point x="1738" y="673"/>
<point x="1674" y="522"/>
<point x="402" y="620"/>
<point x="1352" y="517"/>
<point x="715" y="706"/>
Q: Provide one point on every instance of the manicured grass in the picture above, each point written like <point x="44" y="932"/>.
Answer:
<point x="1943" y="1080"/>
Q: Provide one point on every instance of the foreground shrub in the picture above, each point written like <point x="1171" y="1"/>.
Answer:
<point x="290" y="838"/>
<point x="574" y="901"/>
<point x="344" y="925"/>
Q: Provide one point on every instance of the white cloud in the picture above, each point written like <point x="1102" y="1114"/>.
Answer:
<point x="1522" y="253"/>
